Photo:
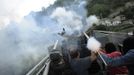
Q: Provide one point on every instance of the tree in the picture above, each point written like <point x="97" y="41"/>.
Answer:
<point x="128" y="13"/>
<point x="99" y="10"/>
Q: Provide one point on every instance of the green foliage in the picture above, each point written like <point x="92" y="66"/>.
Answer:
<point x="98" y="7"/>
<point x="99" y="10"/>
<point x="103" y="7"/>
<point x="120" y="27"/>
<point x="100" y="27"/>
<point x="117" y="28"/>
<point x="129" y="13"/>
<point x="63" y="2"/>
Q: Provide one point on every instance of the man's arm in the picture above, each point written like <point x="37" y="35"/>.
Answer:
<point x="88" y="60"/>
<point x="128" y="58"/>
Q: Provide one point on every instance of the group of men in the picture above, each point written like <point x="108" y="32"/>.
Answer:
<point x="80" y="66"/>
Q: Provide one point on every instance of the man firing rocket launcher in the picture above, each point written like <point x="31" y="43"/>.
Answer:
<point x="94" y="46"/>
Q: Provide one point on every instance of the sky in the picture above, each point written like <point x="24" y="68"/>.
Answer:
<point x="15" y="10"/>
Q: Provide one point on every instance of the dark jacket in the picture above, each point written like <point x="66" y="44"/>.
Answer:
<point x="125" y="60"/>
<point x="80" y="66"/>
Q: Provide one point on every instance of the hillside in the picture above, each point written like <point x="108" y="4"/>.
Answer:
<point x="115" y="15"/>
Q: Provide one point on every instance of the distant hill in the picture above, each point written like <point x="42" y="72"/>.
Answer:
<point x="119" y="11"/>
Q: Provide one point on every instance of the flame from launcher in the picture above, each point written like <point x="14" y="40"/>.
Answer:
<point x="94" y="45"/>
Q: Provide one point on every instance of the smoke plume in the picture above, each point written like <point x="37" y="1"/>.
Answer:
<point x="93" y="44"/>
<point x="15" y="10"/>
<point x="68" y="19"/>
<point x="28" y="28"/>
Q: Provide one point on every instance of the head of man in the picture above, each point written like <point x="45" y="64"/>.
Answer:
<point x="110" y="47"/>
<point x="74" y="52"/>
<point x="128" y="44"/>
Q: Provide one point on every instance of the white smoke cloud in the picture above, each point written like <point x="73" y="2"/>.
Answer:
<point x="92" y="20"/>
<point x="15" y="10"/>
<point x="72" y="21"/>
<point x="23" y="45"/>
<point x="93" y="44"/>
<point x="68" y="18"/>
<point x="25" y="42"/>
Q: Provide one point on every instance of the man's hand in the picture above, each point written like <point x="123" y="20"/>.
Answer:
<point x="93" y="56"/>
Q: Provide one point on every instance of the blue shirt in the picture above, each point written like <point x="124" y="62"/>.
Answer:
<point x="125" y="60"/>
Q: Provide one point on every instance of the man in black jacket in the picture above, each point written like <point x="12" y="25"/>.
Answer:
<point x="80" y="65"/>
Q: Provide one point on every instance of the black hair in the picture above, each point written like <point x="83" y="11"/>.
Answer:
<point x="128" y="44"/>
<point x="74" y="54"/>
<point x="74" y="51"/>
<point x="110" y="47"/>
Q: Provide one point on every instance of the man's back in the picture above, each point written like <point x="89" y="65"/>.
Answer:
<point x="81" y="65"/>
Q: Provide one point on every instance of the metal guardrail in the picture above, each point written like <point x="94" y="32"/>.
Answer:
<point x="47" y="68"/>
<point x="42" y="67"/>
<point x="39" y="67"/>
